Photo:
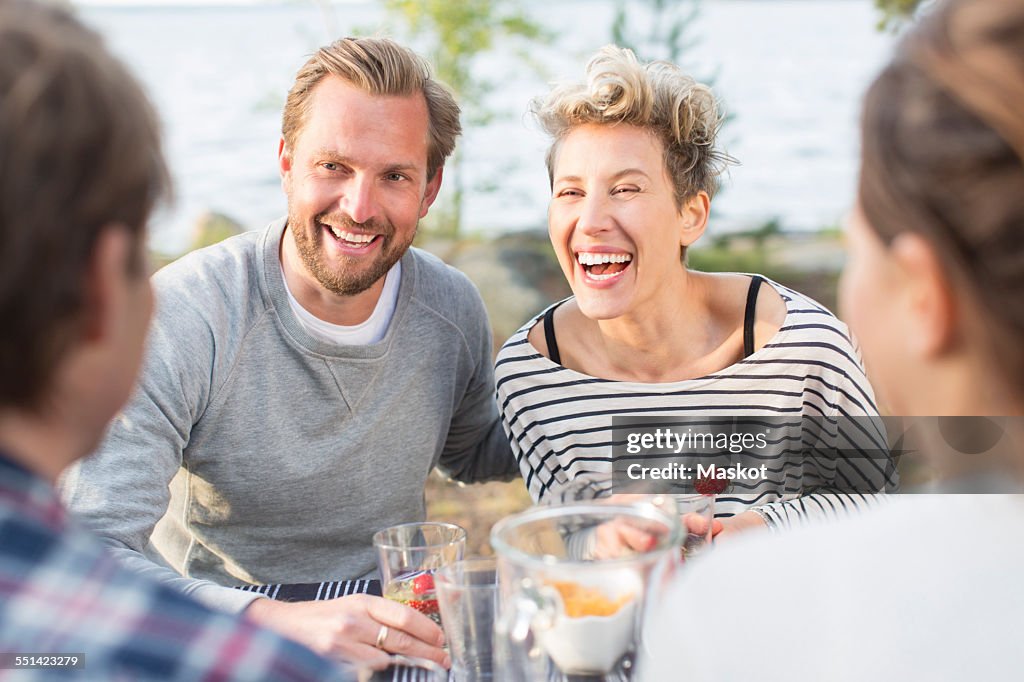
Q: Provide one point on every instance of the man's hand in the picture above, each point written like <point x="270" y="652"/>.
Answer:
<point x="348" y="627"/>
<point x="735" y="525"/>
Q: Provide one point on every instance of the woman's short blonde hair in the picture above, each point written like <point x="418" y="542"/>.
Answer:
<point x="656" y="96"/>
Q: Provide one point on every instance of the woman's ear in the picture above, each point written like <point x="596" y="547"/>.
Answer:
<point x="929" y="295"/>
<point x="694" y="218"/>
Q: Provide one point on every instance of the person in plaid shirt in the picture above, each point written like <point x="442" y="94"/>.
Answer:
<point x="62" y="595"/>
<point x="80" y="171"/>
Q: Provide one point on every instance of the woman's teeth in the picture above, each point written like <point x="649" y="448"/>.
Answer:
<point x="597" y="258"/>
<point x="601" y="266"/>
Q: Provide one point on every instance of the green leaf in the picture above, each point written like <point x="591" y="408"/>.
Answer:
<point x="454" y="34"/>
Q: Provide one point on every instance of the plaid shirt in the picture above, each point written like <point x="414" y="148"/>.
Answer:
<point x="60" y="593"/>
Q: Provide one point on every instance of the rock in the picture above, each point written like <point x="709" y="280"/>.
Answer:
<point x="517" y="274"/>
<point x="212" y="227"/>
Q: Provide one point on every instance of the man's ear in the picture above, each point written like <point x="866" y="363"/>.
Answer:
<point x="430" y="192"/>
<point x="106" y="283"/>
<point x="284" y="162"/>
<point x="930" y="299"/>
<point x="694" y="218"/>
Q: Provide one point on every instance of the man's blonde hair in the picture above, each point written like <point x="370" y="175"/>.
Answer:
<point x="656" y="96"/>
<point x="378" y="66"/>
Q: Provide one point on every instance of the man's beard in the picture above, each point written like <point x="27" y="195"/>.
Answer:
<point x="345" y="282"/>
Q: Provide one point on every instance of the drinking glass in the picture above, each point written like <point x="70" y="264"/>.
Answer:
<point x="408" y="556"/>
<point x="696" y="513"/>
<point x="468" y="592"/>
<point x="565" y="614"/>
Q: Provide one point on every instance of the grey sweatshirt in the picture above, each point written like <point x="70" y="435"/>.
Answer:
<point x="267" y="455"/>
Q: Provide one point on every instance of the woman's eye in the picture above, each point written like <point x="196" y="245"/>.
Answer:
<point x="623" y="190"/>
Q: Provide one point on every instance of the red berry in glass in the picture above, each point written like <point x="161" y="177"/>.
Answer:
<point x="415" y="590"/>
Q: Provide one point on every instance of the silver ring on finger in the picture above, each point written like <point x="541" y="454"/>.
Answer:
<point x="381" y="636"/>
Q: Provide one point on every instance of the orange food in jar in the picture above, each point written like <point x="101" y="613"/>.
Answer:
<point x="580" y="600"/>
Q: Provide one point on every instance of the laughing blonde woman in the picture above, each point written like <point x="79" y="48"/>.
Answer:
<point x="633" y="168"/>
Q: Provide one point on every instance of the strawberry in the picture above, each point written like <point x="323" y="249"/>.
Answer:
<point x="426" y="607"/>
<point x="711" y="486"/>
<point x="423" y="583"/>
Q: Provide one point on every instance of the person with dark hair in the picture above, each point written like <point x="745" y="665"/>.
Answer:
<point x="928" y="587"/>
<point x="302" y="381"/>
<point x="81" y="169"/>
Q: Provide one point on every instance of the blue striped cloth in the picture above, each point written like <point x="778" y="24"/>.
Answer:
<point x="315" y="591"/>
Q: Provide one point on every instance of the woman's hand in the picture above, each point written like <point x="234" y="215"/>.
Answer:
<point x="731" y="527"/>
<point x="696" y="524"/>
<point x="353" y="627"/>
<point x="627" y="536"/>
<point x="621" y="537"/>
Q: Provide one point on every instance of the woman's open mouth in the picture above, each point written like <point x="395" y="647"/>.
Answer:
<point x="603" y="267"/>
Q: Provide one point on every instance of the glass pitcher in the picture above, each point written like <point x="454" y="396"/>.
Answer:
<point x="574" y="582"/>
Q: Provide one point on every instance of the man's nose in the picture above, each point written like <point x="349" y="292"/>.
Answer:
<point x="359" y="201"/>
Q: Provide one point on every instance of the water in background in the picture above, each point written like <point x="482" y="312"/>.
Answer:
<point x="791" y="72"/>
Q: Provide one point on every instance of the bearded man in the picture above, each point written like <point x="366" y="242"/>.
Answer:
<point x="301" y="382"/>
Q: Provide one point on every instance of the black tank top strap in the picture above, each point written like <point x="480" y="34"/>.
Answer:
<point x="549" y="335"/>
<point x="749" y="315"/>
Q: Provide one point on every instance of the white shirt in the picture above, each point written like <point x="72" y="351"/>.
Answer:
<point x="927" y="587"/>
<point x="365" y="333"/>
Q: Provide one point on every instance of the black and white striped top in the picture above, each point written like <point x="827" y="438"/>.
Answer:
<point x="559" y="421"/>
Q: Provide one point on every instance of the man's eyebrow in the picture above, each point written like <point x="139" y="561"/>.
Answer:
<point x="325" y="153"/>
<point x="335" y="157"/>
<point x="616" y="176"/>
<point x="410" y="168"/>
